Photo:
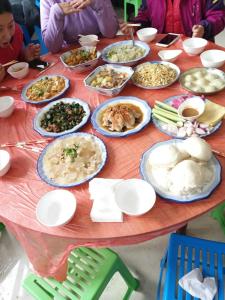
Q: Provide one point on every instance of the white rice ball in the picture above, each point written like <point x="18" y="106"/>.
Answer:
<point x="197" y="148"/>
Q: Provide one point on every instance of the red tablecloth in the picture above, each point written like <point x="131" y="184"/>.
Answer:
<point x="21" y="188"/>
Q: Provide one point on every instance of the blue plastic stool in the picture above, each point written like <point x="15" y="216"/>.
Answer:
<point x="184" y="254"/>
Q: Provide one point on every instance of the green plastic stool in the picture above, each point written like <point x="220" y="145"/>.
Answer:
<point x="219" y="214"/>
<point x="135" y="3"/>
<point x="89" y="271"/>
<point x="2" y="226"/>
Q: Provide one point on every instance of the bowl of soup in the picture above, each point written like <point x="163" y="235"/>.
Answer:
<point x="192" y="108"/>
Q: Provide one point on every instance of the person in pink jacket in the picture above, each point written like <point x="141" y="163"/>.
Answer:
<point x="63" y="20"/>
<point x="198" y="18"/>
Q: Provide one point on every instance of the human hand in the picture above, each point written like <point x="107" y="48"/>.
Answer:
<point x="124" y="27"/>
<point x="81" y="4"/>
<point x="198" y="31"/>
<point x="69" y="8"/>
<point x="2" y="73"/>
<point x="32" y="52"/>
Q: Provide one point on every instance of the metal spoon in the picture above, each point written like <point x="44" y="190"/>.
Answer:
<point x="132" y="36"/>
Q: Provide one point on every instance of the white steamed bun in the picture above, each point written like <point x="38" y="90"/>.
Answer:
<point x="197" y="148"/>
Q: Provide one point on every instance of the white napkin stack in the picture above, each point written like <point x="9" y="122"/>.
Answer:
<point x="195" y="285"/>
<point x="104" y="208"/>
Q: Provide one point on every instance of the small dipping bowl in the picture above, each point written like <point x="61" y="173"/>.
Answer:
<point x="192" y="108"/>
<point x="134" y="197"/>
<point x="194" y="46"/>
<point x="213" y="58"/>
<point x="56" y="208"/>
<point x="147" y="34"/>
<point x="90" y="40"/>
<point x="19" y="70"/>
<point x="7" y="106"/>
<point x="169" y="55"/>
<point x="5" y="162"/>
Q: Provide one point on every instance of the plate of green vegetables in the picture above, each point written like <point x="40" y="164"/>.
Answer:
<point x="165" y="117"/>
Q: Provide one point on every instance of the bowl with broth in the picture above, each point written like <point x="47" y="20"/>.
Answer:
<point x="192" y="108"/>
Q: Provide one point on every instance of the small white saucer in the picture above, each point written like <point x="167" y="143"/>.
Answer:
<point x="56" y="208"/>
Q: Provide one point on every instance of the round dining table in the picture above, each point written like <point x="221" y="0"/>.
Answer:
<point x="21" y="188"/>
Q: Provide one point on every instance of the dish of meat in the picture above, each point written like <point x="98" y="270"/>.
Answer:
<point x="121" y="116"/>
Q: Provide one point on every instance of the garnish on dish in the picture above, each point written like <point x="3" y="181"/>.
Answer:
<point x="45" y="88"/>
<point x="62" y="116"/>
<point x="121" y="117"/>
<point x="80" y="56"/>
<point x="108" y="78"/>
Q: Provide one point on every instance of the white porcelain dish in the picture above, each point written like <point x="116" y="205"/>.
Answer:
<point x="169" y="55"/>
<point x="7" y="105"/>
<point x="108" y="92"/>
<point x="143" y="105"/>
<point x="213" y="58"/>
<point x="140" y="44"/>
<point x="173" y="66"/>
<point x="207" y="190"/>
<point x="134" y="197"/>
<point x="147" y="34"/>
<point x="194" y="46"/>
<point x="44" y="110"/>
<point x="56" y="208"/>
<point x="84" y="66"/>
<point x="5" y="162"/>
<point x="195" y="103"/>
<point x="19" y="70"/>
<point x="89" y="40"/>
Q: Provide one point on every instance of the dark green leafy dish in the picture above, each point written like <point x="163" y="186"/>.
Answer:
<point x="62" y="116"/>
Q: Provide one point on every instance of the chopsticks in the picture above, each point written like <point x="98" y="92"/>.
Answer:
<point x="133" y="24"/>
<point x="10" y="63"/>
<point x="218" y="152"/>
<point x="23" y="143"/>
<point x="49" y="67"/>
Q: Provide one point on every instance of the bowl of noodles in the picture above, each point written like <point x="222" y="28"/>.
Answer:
<point x="155" y="75"/>
<point x="72" y="159"/>
<point x="125" y="53"/>
<point x="80" y="59"/>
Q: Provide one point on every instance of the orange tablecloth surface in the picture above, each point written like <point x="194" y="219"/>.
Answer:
<point x="21" y="188"/>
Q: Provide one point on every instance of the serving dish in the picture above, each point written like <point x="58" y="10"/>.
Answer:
<point x="84" y="162"/>
<point x="96" y="117"/>
<point x="42" y="80"/>
<point x="208" y="189"/>
<point x="42" y="112"/>
<point x="145" y="48"/>
<point x="127" y="71"/>
<point x="161" y="125"/>
<point x="82" y="67"/>
<point x="175" y="73"/>
<point x="213" y="58"/>
<point x="203" y="81"/>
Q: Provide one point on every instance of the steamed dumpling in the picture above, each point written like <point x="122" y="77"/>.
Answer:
<point x="210" y="89"/>
<point x="186" y="178"/>
<point x="165" y="156"/>
<point x="197" y="148"/>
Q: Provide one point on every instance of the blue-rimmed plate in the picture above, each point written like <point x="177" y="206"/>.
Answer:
<point x="207" y="190"/>
<point x="40" y="163"/>
<point x="62" y="92"/>
<point x="39" y="116"/>
<point x="157" y="87"/>
<point x="142" y="45"/>
<point x="161" y="125"/>
<point x="141" y="104"/>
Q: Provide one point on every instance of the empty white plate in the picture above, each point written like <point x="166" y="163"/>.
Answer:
<point x="56" y="208"/>
<point x="134" y="197"/>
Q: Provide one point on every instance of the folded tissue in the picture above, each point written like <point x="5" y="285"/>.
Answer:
<point x="104" y="208"/>
<point x="197" y="286"/>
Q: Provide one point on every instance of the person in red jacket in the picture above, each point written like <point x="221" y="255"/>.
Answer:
<point x="11" y="40"/>
<point x="198" y="18"/>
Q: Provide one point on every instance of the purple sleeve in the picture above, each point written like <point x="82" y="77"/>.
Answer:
<point x="214" y="21"/>
<point x="143" y="16"/>
<point x="106" y="17"/>
<point x="52" y="25"/>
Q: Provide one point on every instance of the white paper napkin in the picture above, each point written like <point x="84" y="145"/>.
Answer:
<point x="104" y="208"/>
<point x="195" y="285"/>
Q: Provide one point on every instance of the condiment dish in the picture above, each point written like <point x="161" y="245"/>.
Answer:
<point x="19" y="70"/>
<point x="192" y="108"/>
<point x="169" y="55"/>
<point x="5" y="162"/>
<point x="213" y="58"/>
<point x="56" y="208"/>
<point x="89" y="40"/>
<point x="7" y="106"/>
<point x="194" y="46"/>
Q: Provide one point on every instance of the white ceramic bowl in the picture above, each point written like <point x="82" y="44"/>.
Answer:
<point x="169" y="55"/>
<point x="134" y="197"/>
<point x="147" y="34"/>
<point x="194" y="46"/>
<point x="90" y="40"/>
<point x="213" y="58"/>
<point x="5" y="162"/>
<point x="19" y="70"/>
<point x="195" y="103"/>
<point x="113" y="91"/>
<point x="84" y="66"/>
<point x="7" y="106"/>
<point x="56" y="208"/>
